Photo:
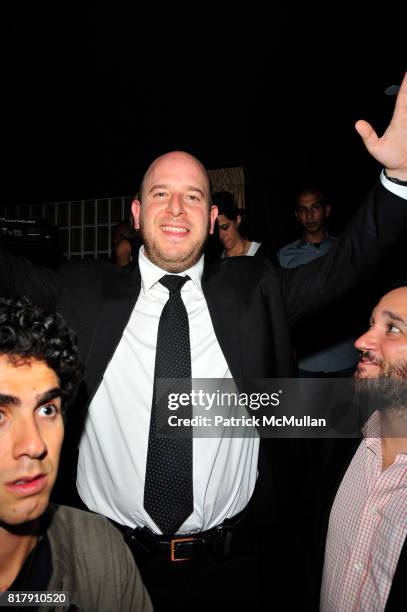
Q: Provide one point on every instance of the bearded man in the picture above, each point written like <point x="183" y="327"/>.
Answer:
<point x="366" y="551"/>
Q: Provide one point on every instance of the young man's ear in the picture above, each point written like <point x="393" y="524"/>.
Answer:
<point x="238" y="220"/>
<point x="327" y="210"/>
<point x="135" y="210"/>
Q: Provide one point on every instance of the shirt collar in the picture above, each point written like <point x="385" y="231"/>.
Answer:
<point x="151" y="274"/>
<point x="371" y="433"/>
<point x="302" y="241"/>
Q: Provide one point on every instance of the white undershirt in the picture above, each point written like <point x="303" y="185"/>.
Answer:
<point x="252" y="250"/>
<point x="113" y="448"/>
<point x="254" y="247"/>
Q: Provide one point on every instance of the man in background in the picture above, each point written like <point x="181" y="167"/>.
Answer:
<point x="318" y="354"/>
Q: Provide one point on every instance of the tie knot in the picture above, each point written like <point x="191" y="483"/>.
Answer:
<point x="173" y="282"/>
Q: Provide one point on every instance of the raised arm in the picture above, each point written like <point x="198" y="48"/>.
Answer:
<point x="378" y="225"/>
<point x="391" y="149"/>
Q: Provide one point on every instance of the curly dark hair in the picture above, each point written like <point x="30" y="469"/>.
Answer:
<point x="28" y="331"/>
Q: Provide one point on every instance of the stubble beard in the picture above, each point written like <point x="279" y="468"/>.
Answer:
<point x="171" y="263"/>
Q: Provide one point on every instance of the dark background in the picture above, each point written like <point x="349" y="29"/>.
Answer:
<point x="90" y="96"/>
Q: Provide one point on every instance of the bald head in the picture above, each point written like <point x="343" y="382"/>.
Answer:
<point x="173" y="212"/>
<point x="174" y="161"/>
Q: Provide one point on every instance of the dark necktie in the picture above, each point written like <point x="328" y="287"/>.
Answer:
<point x="168" y="496"/>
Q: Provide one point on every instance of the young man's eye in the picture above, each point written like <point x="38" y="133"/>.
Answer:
<point x="192" y="197"/>
<point x="48" y="410"/>
<point x="2" y="418"/>
<point x="393" y="329"/>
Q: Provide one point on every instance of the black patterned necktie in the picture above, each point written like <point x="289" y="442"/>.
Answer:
<point x="168" y="496"/>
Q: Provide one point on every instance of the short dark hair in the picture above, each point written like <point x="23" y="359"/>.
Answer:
<point x="225" y="202"/>
<point x="29" y="331"/>
<point x="315" y="190"/>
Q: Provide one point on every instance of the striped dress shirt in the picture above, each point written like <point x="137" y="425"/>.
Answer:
<point x="367" y="529"/>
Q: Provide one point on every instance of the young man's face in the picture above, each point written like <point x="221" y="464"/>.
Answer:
<point x="384" y="346"/>
<point x="311" y="213"/>
<point x="175" y="216"/>
<point x="31" y="434"/>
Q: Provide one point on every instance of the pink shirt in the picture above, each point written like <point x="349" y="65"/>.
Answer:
<point x="367" y="529"/>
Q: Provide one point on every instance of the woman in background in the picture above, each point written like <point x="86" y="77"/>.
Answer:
<point x="234" y="240"/>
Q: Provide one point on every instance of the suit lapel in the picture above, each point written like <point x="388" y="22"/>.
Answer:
<point x="220" y="294"/>
<point x="120" y="293"/>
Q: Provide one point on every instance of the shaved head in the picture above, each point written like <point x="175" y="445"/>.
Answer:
<point x="174" y="157"/>
<point x="174" y="211"/>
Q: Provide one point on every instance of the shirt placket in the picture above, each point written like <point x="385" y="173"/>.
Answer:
<point x="379" y="494"/>
<point x="359" y="559"/>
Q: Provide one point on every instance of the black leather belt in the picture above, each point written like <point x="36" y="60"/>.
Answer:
<point x="234" y="537"/>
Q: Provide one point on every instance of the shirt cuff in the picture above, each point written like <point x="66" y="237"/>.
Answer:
<point x="399" y="190"/>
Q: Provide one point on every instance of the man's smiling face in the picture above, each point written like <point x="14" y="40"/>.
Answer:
<point x="384" y="346"/>
<point x="174" y="214"/>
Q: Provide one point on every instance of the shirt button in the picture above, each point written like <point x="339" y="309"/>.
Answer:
<point x="357" y="566"/>
<point x="375" y="510"/>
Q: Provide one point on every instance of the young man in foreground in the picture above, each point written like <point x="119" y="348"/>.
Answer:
<point x="43" y="547"/>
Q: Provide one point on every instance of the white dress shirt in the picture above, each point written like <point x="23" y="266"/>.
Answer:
<point x="113" y="448"/>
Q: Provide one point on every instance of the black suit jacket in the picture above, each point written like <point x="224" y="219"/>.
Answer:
<point x="252" y="305"/>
